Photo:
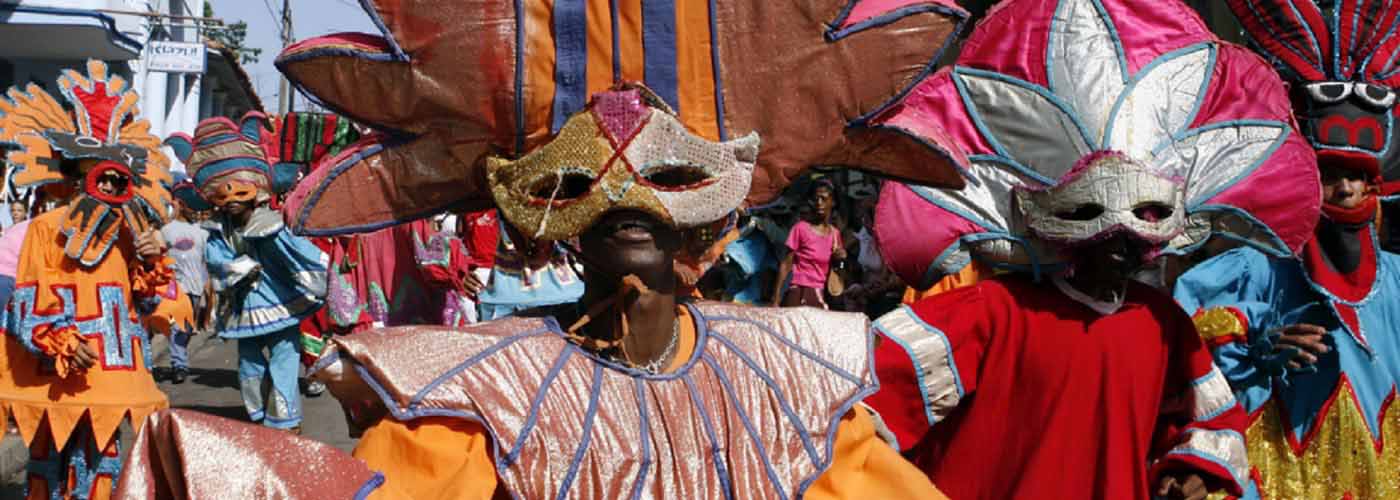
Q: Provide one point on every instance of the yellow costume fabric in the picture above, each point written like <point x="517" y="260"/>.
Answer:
<point x="441" y="458"/>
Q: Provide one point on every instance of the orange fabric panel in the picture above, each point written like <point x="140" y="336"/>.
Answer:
<point x="29" y="391"/>
<point x="629" y="22"/>
<point x="437" y="458"/>
<point x="968" y="276"/>
<point x="600" y="56"/>
<point x="538" y="86"/>
<point x="864" y="466"/>
<point x="695" y="69"/>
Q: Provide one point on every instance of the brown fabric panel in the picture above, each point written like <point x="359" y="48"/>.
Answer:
<point x="461" y="69"/>
<point x="775" y="56"/>
<point x="397" y="184"/>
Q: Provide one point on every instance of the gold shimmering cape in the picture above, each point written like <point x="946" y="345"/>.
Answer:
<point x="755" y="409"/>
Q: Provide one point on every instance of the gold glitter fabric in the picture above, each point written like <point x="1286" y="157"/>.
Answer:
<point x="190" y="455"/>
<point x="626" y="150"/>
<point x="1220" y="324"/>
<point x="1338" y="459"/>
<point x="751" y="414"/>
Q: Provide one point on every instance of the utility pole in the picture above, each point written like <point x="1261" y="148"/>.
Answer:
<point x="285" y="93"/>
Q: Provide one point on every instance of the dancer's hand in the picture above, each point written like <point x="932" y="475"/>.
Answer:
<point x="85" y="357"/>
<point x="150" y="245"/>
<point x="1182" y="486"/>
<point x="1306" y="340"/>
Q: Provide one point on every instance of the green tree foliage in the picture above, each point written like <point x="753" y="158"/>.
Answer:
<point x="232" y="36"/>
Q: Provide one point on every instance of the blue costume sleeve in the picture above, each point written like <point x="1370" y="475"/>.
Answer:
<point x="1228" y="296"/>
<point x="224" y="272"/>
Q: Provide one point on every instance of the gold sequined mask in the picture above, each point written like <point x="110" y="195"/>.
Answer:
<point x="625" y="150"/>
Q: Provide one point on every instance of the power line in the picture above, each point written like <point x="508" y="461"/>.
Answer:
<point x="276" y="19"/>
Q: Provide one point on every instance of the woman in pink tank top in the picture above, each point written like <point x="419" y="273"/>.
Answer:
<point x="813" y="244"/>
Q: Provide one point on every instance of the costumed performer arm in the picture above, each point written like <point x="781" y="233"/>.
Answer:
<point x="865" y="466"/>
<point x="1201" y="426"/>
<point x="1227" y="298"/>
<point x="149" y="281"/>
<point x="305" y="262"/>
<point x="431" y="458"/>
<point x="228" y="270"/>
<point x="42" y="309"/>
<point x="927" y="360"/>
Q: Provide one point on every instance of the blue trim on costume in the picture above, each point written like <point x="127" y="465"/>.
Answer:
<point x="1312" y="37"/>
<point x="1132" y="84"/>
<point x="589" y="416"/>
<point x="748" y="425"/>
<point x="643" y="409"/>
<point x="1381" y="39"/>
<point x="715" y="69"/>
<point x="366" y="489"/>
<point x="1223" y="408"/>
<point x="519" y="77"/>
<point x="1044" y="93"/>
<point x="783" y="404"/>
<point x="1336" y="24"/>
<point x="368" y="6"/>
<point x="299" y="226"/>
<point x="659" y="51"/>
<point x="476" y="358"/>
<point x="1268" y="154"/>
<point x="792" y="345"/>
<point x="1277" y="62"/>
<point x="947" y="347"/>
<point x="106" y="21"/>
<point x="1218" y="461"/>
<point x="616" y="41"/>
<point x="1278" y="243"/>
<point x="280" y="64"/>
<point x="834" y="35"/>
<point x="1112" y="34"/>
<point x="570" y="60"/>
<point x="519" y="445"/>
<point x="716" y="454"/>
<point x="1389" y="124"/>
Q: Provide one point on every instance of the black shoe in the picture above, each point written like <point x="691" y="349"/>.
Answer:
<point x="178" y="377"/>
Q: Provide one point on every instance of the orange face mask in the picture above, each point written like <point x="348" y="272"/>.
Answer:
<point x="232" y="191"/>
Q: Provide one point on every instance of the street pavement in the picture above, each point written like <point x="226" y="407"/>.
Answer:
<point x="212" y="387"/>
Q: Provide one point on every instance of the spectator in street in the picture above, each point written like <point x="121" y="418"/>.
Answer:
<point x="18" y="212"/>
<point x="814" y="244"/>
<point x="186" y="242"/>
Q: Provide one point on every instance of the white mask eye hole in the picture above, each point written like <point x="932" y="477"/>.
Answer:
<point x="675" y="176"/>
<point x="1375" y="95"/>
<point x="1153" y="212"/>
<point x="1085" y="212"/>
<point x="1329" y="92"/>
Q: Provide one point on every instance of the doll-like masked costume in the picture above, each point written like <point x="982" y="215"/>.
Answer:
<point x="79" y="279"/>
<point x="267" y="278"/>
<point x="758" y="403"/>
<point x="1085" y="120"/>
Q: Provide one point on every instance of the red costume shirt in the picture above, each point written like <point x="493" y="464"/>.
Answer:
<point x="1011" y="389"/>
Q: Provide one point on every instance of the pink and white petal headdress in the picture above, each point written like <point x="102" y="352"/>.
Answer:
<point x="1043" y="91"/>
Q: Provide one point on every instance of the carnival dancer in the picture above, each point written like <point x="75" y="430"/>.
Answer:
<point x="632" y="391"/>
<point x="1130" y="138"/>
<point x="182" y="303"/>
<point x="1309" y="345"/>
<point x="76" y="359"/>
<point x="267" y="278"/>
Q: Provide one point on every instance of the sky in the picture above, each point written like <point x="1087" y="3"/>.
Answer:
<point x="310" y="18"/>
